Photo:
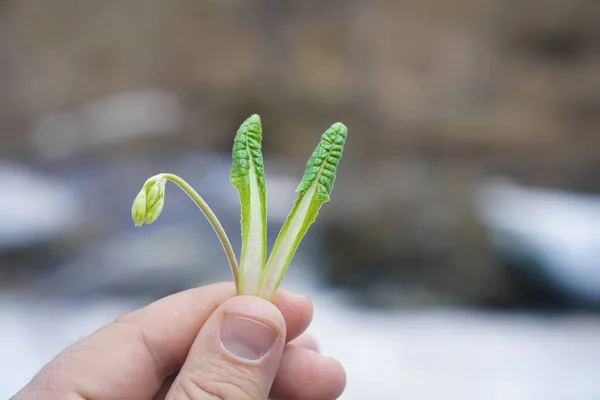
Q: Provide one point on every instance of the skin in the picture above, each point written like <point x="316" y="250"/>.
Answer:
<point x="172" y="349"/>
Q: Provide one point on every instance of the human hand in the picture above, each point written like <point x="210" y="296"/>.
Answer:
<point x="204" y="343"/>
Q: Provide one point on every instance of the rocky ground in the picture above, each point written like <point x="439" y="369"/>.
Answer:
<point x="436" y="94"/>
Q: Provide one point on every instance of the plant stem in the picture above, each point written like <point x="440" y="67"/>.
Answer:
<point x="212" y="219"/>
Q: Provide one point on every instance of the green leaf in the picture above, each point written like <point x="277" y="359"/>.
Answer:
<point x="248" y="177"/>
<point x="314" y="190"/>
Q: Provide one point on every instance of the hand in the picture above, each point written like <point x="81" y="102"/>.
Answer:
<point x="203" y="343"/>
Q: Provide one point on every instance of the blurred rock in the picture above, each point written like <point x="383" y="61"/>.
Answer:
<point x="405" y="233"/>
<point x="34" y="207"/>
<point x="40" y="220"/>
<point x="111" y="121"/>
<point x="553" y="235"/>
<point x="151" y="263"/>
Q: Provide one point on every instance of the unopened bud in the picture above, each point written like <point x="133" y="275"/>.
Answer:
<point x="149" y="202"/>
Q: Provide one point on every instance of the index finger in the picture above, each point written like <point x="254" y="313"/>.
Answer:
<point x="131" y="357"/>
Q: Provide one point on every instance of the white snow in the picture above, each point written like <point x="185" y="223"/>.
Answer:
<point x="449" y="354"/>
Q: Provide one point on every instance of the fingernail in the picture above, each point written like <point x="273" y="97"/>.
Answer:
<point x="246" y="338"/>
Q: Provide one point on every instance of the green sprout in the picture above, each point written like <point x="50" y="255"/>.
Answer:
<point x="256" y="275"/>
<point x="248" y="177"/>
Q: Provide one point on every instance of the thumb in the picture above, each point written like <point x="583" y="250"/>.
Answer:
<point x="236" y="354"/>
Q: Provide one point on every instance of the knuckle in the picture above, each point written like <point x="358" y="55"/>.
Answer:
<point x="130" y="316"/>
<point x="219" y="381"/>
<point x="141" y="338"/>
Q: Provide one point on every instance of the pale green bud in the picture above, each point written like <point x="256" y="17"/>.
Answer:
<point x="149" y="202"/>
<point x="138" y="209"/>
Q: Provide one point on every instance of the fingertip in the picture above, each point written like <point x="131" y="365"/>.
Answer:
<point x="305" y="374"/>
<point x="337" y="374"/>
<point x="287" y="299"/>
<point x="307" y="342"/>
<point x="297" y="310"/>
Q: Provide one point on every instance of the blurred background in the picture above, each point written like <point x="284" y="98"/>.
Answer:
<point x="459" y="257"/>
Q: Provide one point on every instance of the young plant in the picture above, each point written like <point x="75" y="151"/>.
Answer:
<point x="256" y="275"/>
